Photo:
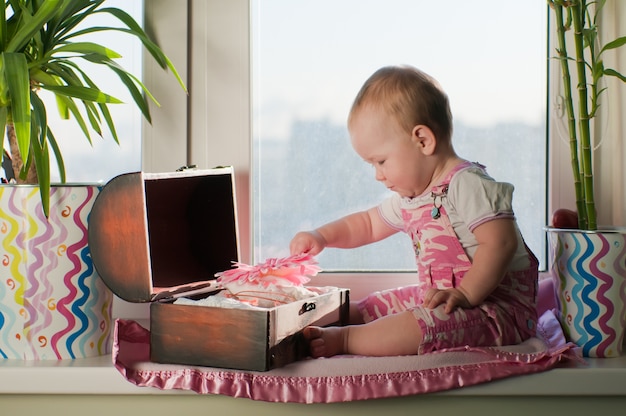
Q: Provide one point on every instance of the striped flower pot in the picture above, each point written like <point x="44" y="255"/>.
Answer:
<point x="53" y="305"/>
<point x="589" y="268"/>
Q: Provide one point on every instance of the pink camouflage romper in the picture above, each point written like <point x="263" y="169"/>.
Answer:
<point x="508" y="316"/>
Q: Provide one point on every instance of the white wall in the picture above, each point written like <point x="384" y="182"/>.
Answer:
<point x="611" y="155"/>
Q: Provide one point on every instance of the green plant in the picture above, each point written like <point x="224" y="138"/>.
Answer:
<point x="42" y="49"/>
<point x="582" y="17"/>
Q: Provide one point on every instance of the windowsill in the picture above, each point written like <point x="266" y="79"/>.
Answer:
<point x="98" y="376"/>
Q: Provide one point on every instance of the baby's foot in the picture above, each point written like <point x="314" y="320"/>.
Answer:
<point x="325" y="342"/>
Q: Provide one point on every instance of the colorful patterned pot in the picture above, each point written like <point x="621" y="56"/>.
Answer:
<point x="53" y="305"/>
<point x="589" y="268"/>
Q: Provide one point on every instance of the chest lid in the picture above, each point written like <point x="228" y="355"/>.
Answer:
<point x="156" y="233"/>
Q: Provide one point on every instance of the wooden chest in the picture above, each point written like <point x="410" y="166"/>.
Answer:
<point x="156" y="237"/>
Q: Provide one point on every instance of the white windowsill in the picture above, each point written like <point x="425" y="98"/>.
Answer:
<point x="601" y="377"/>
<point x="97" y="376"/>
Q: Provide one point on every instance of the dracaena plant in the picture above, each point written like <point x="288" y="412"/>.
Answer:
<point x="43" y="48"/>
<point x="580" y="54"/>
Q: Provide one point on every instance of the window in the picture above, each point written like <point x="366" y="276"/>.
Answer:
<point x="311" y="57"/>
<point x="303" y="84"/>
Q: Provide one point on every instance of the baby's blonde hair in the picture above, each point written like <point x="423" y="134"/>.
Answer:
<point x="409" y="95"/>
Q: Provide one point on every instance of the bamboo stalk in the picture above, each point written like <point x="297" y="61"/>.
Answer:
<point x="579" y="9"/>
<point x="571" y="114"/>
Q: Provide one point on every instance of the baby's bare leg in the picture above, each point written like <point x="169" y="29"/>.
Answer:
<point x="391" y="335"/>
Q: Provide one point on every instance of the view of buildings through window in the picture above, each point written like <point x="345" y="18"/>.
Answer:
<point x="311" y="57"/>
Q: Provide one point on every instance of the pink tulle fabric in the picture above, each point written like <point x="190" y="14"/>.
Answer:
<point x="347" y="378"/>
<point x="288" y="271"/>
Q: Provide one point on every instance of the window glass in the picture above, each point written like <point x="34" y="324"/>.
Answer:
<point x="104" y="159"/>
<point x="311" y="57"/>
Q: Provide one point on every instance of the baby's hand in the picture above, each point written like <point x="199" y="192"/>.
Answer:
<point x="310" y="242"/>
<point x="450" y="297"/>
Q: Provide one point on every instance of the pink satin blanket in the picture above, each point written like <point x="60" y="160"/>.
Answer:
<point x="346" y="378"/>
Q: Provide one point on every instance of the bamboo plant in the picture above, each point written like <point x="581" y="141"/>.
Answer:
<point x="581" y="17"/>
<point x="42" y="48"/>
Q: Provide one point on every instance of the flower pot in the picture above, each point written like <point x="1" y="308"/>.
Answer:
<point x="589" y="272"/>
<point x="53" y="305"/>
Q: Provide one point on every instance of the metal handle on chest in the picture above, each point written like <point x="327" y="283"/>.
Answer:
<point x="306" y="307"/>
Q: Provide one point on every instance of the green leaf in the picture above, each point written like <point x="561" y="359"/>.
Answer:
<point x="57" y="154"/>
<point x="3" y="120"/>
<point x="61" y="73"/>
<point x="39" y="116"/>
<point x="110" y="124"/>
<point x="40" y="153"/>
<point x="32" y="25"/>
<point x="131" y="82"/>
<point x="64" y="112"/>
<point x="82" y="93"/>
<point x="136" y="94"/>
<point x="85" y="48"/>
<point x="16" y="75"/>
<point x="71" y="106"/>
<point x="41" y="158"/>
<point x="613" y="73"/>
<point x="597" y="71"/>
<point x="153" y="48"/>
<point x="104" y="110"/>
<point x="43" y="78"/>
<point x="614" y="44"/>
<point x="93" y="116"/>
<point x="3" y="27"/>
<point x="73" y="13"/>
<point x="135" y="30"/>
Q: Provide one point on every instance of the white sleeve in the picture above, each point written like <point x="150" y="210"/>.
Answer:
<point x="389" y="210"/>
<point x="477" y="198"/>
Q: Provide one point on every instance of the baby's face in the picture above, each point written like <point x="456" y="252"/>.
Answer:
<point x="395" y="154"/>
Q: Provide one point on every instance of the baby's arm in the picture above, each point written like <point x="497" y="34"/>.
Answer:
<point x="351" y="231"/>
<point x="497" y="243"/>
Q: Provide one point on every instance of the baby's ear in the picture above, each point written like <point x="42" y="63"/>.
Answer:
<point x="424" y="137"/>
